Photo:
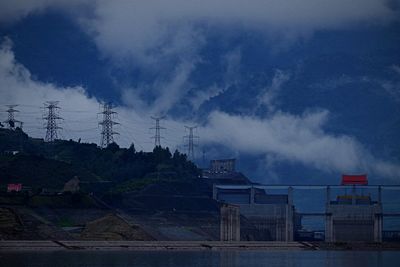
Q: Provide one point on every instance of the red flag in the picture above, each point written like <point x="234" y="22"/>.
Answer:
<point x="360" y="179"/>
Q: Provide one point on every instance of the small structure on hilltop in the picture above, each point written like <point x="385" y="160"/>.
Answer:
<point x="223" y="171"/>
<point x="222" y="165"/>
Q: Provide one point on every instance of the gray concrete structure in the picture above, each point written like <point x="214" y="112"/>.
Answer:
<point x="267" y="217"/>
<point x="357" y="216"/>
<point x="353" y="218"/>
<point x="230" y="223"/>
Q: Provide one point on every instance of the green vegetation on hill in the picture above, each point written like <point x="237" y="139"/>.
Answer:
<point x="39" y="164"/>
<point x="40" y="172"/>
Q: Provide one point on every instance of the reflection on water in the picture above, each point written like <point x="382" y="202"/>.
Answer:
<point x="201" y="258"/>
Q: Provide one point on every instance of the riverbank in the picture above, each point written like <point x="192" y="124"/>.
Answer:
<point x="15" y="245"/>
<point x="146" y="245"/>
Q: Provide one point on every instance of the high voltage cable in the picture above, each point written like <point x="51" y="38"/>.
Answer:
<point x="131" y="136"/>
<point x="81" y="130"/>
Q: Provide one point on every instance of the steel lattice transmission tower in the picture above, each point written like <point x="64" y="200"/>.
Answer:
<point x="52" y="119"/>
<point x="157" y="137"/>
<point x="191" y="145"/>
<point x="107" y="132"/>
<point x="11" y="121"/>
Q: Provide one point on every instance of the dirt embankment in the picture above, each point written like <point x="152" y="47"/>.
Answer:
<point x="22" y="223"/>
<point x="112" y="227"/>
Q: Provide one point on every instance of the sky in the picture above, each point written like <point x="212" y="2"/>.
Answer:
<point x="262" y="80"/>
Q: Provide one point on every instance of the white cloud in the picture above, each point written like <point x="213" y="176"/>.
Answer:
<point x="201" y="96"/>
<point x="80" y="112"/>
<point x="232" y="62"/>
<point x="271" y="92"/>
<point x="13" y="10"/>
<point x="158" y="27"/>
<point x="18" y="87"/>
<point x="395" y="68"/>
<point x="176" y="89"/>
<point x="158" y="34"/>
<point x="284" y="136"/>
<point x="392" y="88"/>
<point x="298" y="139"/>
<point x="153" y="29"/>
<point x="155" y="34"/>
<point x="167" y="91"/>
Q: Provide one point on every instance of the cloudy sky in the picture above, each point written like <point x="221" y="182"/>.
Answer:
<point x="295" y="89"/>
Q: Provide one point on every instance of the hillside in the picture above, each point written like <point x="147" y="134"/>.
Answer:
<point x="40" y="172"/>
<point x="124" y="194"/>
<point x="38" y="164"/>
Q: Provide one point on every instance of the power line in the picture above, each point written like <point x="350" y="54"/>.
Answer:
<point x="23" y="105"/>
<point x="107" y="133"/>
<point x="131" y="136"/>
<point x="129" y="141"/>
<point x="52" y="117"/>
<point x="78" y="111"/>
<point x="133" y="129"/>
<point x="82" y="130"/>
<point x="158" y="128"/>
<point x="191" y="145"/>
<point x="130" y="119"/>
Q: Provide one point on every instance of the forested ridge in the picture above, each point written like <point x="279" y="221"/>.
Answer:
<point x="49" y="165"/>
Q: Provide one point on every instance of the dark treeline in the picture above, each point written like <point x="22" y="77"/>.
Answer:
<point x="40" y="164"/>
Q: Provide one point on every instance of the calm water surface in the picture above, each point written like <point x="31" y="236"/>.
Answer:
<point x="202" y="258"/>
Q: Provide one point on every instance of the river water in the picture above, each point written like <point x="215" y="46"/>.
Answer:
<point x="201" y="258"/>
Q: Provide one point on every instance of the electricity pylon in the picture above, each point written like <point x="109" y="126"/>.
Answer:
<point x="107" y="132"/>
<point x="52" y="118"/>
<point x="157" y="137"/>
<point x="191" y="145"/>
<point x="11" y="121"/>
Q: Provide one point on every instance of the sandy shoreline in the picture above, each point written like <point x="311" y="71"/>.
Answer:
<point x="148" y="245"/>
<point x="57" y="245"/>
